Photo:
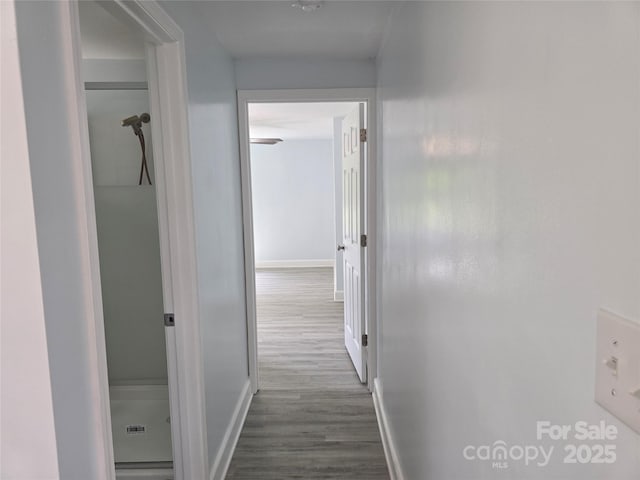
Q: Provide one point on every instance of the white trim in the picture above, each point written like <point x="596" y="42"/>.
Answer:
<point x="231" y="435"/>
<point x="367" y="95"/>
<point x="169" y="98"/>
<point x="295" y="263"/>
<point x="165" y="253"/>
<point x="168" y="106"/>
<point x="371" y="212"/>
<point x="249" y="248"/>
<point x="338" y="296"/>
<point x="87" y="221"/>
<point x="307" y="95"/>
<point x="388" y="444"/>
<point x="143" y="474"/>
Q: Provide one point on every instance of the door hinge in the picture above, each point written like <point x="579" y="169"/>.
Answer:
<point x="363" y="135"/>
<point x="169" y="320"/>
<point x="365" y="340"/>
<point x="363" y="240"/>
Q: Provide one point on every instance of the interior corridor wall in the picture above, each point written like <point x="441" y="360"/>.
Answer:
<point x="62" y="235"/>
<point x="28" y="448"/>
<point x="278" y="73"/>
<point x="511" y="185"/>
<point x="218" y="218"/>
<point x="293" y="201"/>
<point x="45" y="53"/>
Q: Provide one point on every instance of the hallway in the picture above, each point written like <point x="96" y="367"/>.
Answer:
<point x="312" y="418"/>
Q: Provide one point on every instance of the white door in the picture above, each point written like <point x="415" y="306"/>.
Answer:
<point x="353" y="152"/>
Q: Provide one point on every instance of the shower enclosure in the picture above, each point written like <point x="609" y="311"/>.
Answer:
<point x="130" y="270"/>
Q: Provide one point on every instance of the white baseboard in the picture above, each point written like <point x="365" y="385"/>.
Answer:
<point x="338" y="296"/>
<point x="388" y="444"/>
<point x="295" y="263"/>
<point x="143" y="473"/>
<point x="225" y="452"/>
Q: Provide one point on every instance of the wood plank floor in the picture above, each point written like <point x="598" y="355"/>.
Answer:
<point x="312" y="418"/>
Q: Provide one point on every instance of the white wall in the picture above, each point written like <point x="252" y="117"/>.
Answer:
<point x="62" y="233"/>
<point x="292" y="188"/>
<point x="510" y="175"/>
<point x="28" y="446"/>
<point x="127" y="221"/>
<point x="115" y="150"/>
<point x="275" y="73"/>
<point x="112" y="70"/>
<point x="218" y="219"/>
<point x="128" y="240"/>
<point x="63" y="250"/>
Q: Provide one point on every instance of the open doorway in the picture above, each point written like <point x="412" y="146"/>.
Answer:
<point x="140" y="236"/>
<point x="126" y="208"/>
<point x="309" y="202"/>
<point x="297" y="184"/>
<point x="130" y="271"/>
<point x="306" y="206"/>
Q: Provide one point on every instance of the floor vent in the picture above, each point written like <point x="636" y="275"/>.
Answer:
<point x="136" y="429"/>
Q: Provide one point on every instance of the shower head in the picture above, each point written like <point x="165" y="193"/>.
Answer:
<point x="136" y="121"/>
<point x="131" y="121"/>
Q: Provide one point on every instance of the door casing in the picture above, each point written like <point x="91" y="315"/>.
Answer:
<point x="368" y="96"/>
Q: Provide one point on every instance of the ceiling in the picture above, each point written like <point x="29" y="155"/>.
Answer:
<point x="291" y="121"/>
<point x="340" y="29"/>
<point x="105" y="37"/>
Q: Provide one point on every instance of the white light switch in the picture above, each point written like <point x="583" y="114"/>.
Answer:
<point x="618" y="367"/>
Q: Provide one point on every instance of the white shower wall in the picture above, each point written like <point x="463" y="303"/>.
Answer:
<point x="131" y="284"/>
<point x="128" y="240"/>
<point x="115" y="150"/>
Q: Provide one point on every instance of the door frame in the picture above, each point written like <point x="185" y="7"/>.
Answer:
<point x="167" y="87"/>
<point x="367" y="95"/>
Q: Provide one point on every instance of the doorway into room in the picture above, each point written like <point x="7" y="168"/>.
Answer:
<point x="140" y="251"/>
<point x="305" y="197"/>
<point x="126" y="209"/>
<point x="307" y="168"/>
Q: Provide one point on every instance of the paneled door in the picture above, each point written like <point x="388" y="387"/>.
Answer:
<point x="353" y="155"/>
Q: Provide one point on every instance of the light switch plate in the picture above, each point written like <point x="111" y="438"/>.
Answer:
<point x="618" y="367"/>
